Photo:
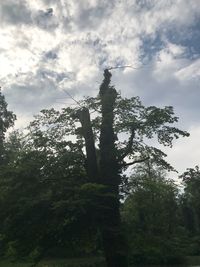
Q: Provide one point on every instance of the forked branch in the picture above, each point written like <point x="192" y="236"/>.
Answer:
<point x="126" y="164"/>
<point x="129" y="145"/>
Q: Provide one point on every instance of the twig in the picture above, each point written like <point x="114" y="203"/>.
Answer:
<point x="134" y="162"/>
<point x="123" y="67"/>
<point x="72" y="98"/>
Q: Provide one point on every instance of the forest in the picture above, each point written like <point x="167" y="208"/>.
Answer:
<point x="86" y="183"/>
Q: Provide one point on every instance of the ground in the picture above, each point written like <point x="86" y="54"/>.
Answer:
<point x="83" y="262"/>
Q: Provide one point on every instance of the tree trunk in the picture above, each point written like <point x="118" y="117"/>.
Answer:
<point x="91" y="160"/>
<point x="107" y="173"/>
<point x="114" y="245"/>
<point x="1" y="150"/>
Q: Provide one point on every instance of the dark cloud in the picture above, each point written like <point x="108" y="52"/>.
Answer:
<point x="49" y="2"/>
<point x="15" y="12"/>
<point x="45" y="19"/>
<point x="31" y="98"/>
<point x="55" y="77"/>
<point x="37" y="90"/>
<point x="188" y="37"/>
<point x="150" y="46"/>
<point x="144" y="4"/>
<point x="91" y="17"/>
<point x="50" y="55"/>
<point x="183" y="96"/>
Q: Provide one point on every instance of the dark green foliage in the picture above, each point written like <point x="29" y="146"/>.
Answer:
<point x="109" y="175"/>
<point x="61" y="182"/>
<point x="134" y="124"/>
<point x="191" y="179"/>
<point x="45" y="201"/>
<point x="190" y="208"/>
<point x="81" y="262"/>
<point x="7" y="119"/>
<point x="150" y="218"/>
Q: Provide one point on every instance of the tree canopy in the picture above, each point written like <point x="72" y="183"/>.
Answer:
<point x="63" y="180"/>
<point x="7" y="119"/>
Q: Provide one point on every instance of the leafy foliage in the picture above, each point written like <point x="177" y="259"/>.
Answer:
<point x="44" y="201"/>
<point x="150" y="217"/>
<point x="7" y="119"/>
<point x="133" y="125"/>
<point x="48" y="202"/>
<point x="190" y="207"/>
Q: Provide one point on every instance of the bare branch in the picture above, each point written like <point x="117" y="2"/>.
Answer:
<point x="72" y="98"/>
<point x="123" y="67"/>
<point x="129" y="145"/>
<point x="91" y="160"/>
<point x="126" y="66"/>
<point x="134" y="162"/>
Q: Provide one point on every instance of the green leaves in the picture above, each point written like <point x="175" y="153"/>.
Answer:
<point x="44" y="184"/>
<point x="7" y="119"/>
<point x="40" y="191"/>
<point x="150" y="217"/>
<point x="135" y="124"/>
<point x="191" y="180"/>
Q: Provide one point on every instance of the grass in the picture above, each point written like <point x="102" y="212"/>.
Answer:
<point x="193" y="260"/>
<point x="83" y="262"/>
<point x="6" y="263"/>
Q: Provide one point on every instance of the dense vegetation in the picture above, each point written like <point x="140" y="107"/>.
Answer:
<point x="65" y="192"/>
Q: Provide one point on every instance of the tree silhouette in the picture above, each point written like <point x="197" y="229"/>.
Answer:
<point x="7" y="119"/>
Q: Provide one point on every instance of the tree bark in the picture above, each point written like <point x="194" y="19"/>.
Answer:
<point x="107" y="173"/>
<point x="91" y="159"/>
<point x="114" y="245"/>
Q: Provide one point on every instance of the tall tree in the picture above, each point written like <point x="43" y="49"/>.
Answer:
<point x="7" y="119"/>
<point x="31" y="221"/>
<point x="191" y="201"/>
<point x="150" y="217"/>
<point x="111" y="140"/>
<point x="124" y="115"/>
<point x="115" y="250"/>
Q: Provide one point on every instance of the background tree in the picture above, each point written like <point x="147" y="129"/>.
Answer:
<point x="75" y="164"/>
<point x="190" y="207"/>
<point x="45" y="198"/>
<point x="150" y="216"/>
<point x="7" y="119"/>
<point x="117" y="129"/>
<point x="126" y="116"/>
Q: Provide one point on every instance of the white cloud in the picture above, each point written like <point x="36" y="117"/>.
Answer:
<point x="169" y="61"/>
<point x="16" y="13"/>
<point x="48" y="45"/>
<point x="185" y="152"/>
<point x="190" y="72"/>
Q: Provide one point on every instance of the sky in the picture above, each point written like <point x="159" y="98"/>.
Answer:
<point x="48" y="46"/>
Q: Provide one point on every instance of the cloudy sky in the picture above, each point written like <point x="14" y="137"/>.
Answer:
<point x="47" y="46"/>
